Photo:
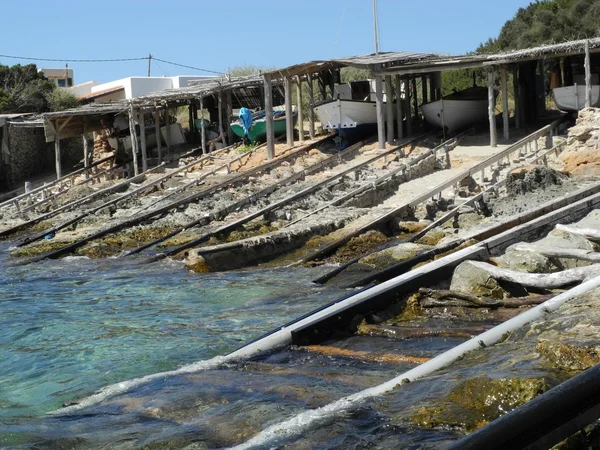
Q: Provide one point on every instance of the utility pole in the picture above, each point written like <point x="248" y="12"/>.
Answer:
<point x="149" y="63"/>
<point x="375" y="28"/>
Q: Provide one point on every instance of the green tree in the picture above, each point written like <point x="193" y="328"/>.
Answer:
<point x="23" y="89"/>
<point x="61" y="99"/>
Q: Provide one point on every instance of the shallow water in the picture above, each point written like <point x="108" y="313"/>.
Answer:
<point x="71" y="326"/>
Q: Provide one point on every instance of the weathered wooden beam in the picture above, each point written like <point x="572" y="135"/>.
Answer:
<point x="202" y="127"/>
<point x="389" y="109"/>
<point x="491" y="115"/>
<point x="158" y="133"/>
<point x="399" y="109"/>
<point x="415" y="99"/>
<point x="588" y="76"/>
<point x="86" y="149"/>
<point x="407" y="95"/>
<point x="220" y="112"/>
<point x="142" y="125"/>
<point x="168" y="130"/>
<point x="311" y="107"/>
<point x="300" y="112"/>
<point x="269" y="116"/>
<point x="504" y="89"/>
<point x="380" y="115"/>
<point x="517" y="97"/>
<point x="134" y="141"/>
<point x="424" y="90"/>
<point x="289" y="119"/>
<point x="57" y="150"/>
<point x="228" y="116"/>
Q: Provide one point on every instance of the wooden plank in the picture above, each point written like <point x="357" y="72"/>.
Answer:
<point x="228" y="116"/>
<point x="168" y="130"/>
<point x="504" y="89"/>
<point x="415" y="99"/>
<point x="220" y="111"/>
<point x="424" y="91"/>
<point x="516" y="95"/>
<point x="380" y="115"/>
<point x="269" y="116"/>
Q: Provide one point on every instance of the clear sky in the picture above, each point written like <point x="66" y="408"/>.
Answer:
<point x="221" y="34"/>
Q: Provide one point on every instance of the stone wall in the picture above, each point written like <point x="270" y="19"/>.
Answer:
<point x="31" y="155"/>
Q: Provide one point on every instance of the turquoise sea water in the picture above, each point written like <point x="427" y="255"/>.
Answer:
<point x="72" y="326"/>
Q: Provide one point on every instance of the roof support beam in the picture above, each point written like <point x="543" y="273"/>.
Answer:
<point x="491" y="116"/>
<point x="158" y="134"/>
<point x="142" y="124"/>
<point x="57" y="150"/>
<point x="311" y="107"/>
<point x="389" y="109"/>
<point x="134" y="142"/>
<point x="269" y="116"/>
<point x="504" y="89"/>
<point x="379" y="106"/>
<point x="289" y="119"/>
<point x="399" y="109"/>
<point x="407" y="96"/>
<point x="202" y="127"/>
<point x="588" y="76"/>
<point x="300" y="115"/>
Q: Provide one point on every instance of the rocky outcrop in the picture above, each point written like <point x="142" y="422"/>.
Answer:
<point x="582" y="155"/>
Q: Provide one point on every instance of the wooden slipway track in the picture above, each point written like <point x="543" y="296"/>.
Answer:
<point x="306" y="351"/>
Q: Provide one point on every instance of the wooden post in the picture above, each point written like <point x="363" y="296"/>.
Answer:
<point x="300" y="115"/>
<point x="202" y="127"/>
<point x="432" y="88"/>
<point x="424" y="89"/>
<point x="331" y="84"/>
<point x="289" y="120"/>
<point x="86" y="150"/>
<point x="389" y="109"/>
<point x="438" y="85"/>
<point x="504" y="88"/>
<point x="491" y="116"/>
<point x="220" y="109"/>
<point x="407" y="94"/>
<point x="588" y="76"/>
<point x="142" y="124"/>
<point x="5" y="156"/>
<point x="57" y="150"/>
<point x="311" y="106"/>
<point x="228" y="115"/>
<point x="134" y="142"/>
<point x="415" y="99"/>
<point x="399" y="112"/>
<point x="191" y="117"/>
<point x="516" y="97"/>
<point x="269" y="116"/>
<point x="167" y="130"/>
<point x="158" y="134"/>
<point x="379" y="106"/>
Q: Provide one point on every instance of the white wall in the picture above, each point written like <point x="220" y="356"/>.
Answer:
<point x="83" y="88"/>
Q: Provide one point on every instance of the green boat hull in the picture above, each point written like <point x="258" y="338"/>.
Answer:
<point x="258" y="130"/>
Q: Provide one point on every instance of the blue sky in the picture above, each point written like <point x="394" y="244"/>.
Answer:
<point x="221" y="34"/>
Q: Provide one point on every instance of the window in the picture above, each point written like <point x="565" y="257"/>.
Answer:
<point x="61" y="82"/>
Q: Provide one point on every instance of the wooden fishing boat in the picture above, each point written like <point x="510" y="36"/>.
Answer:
<point x="458" y="110"/>
<point x="258" y="130"/>
<point x="572" y="98"/>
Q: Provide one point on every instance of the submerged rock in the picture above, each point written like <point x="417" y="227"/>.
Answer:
<point x="477" y="401"/>
<point x="393" y="255"/>
<point x="572" y="355"/>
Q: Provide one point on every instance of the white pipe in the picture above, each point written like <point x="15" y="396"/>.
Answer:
<point x="308" y="419"/>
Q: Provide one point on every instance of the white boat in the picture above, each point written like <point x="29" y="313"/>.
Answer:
<point x="340" y="114"/>
<point x="572" y="98"/>
<point x="458" y="110"/>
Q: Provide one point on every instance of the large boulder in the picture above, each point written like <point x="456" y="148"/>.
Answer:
<point x="471" y="279"/>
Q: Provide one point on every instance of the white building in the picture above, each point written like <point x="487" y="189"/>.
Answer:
<point x="130" y="87"/>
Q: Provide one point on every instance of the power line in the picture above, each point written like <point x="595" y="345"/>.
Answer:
<point x="183" y="65"/>
<point x="145" y="58"/>
<point x="74" y="60"/>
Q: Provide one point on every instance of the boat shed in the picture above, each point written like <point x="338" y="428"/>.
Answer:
<point x="399" y="72"/>
<point x="217" y="96"/>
